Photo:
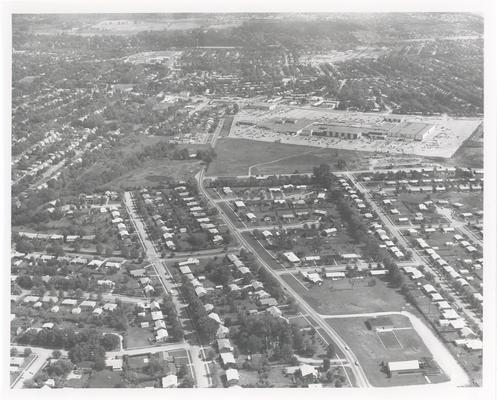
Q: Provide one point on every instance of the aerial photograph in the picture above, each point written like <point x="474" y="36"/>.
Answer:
<point x="246" y="200"/>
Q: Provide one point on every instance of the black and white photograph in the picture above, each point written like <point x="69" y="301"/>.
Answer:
<point x="238" y="199"/>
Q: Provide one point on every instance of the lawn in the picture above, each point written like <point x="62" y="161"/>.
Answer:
<point x="341" y="297"/>
<point x="138" y="362"/>
<point x="248" y="378"/>
<point x="235" y="156"/>
<point x="277" y="378"/>
<point x="371" y="351"/>
<point x="470" y="154"/>
<point x="472" y="201"/>
<point x="105" y="379"/>
<point x="138" y="337"/>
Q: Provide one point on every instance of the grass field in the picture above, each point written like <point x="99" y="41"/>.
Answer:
<point x="340" y="297"/>
<point x="249" y="378"/>
<point x="236" y="156"/>
<point x="104" y="379"/>
<point x="389" y="340"/>
<point x="137" y="337"/>
<point x="373" y="351"/>
<point x="470" y="154"/>
<point x="154" y="172"/>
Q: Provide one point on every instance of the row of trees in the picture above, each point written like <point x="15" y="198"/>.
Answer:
<point x="204" y="325"/>
<point x="83" y="345"/>
<point x="271" y="285"/>
<point x="356" y="226"/>
<point x="169" y="309"/>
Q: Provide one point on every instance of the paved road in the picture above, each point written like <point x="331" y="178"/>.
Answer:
<point x="200" y="254"/>
<point x="277" y="226"/>
<point x="319" y="361"/>
<point x="42" y="355"/>
<point x="359" y="374"/>
<point x="202" y="374"/>
<point x="392" y="170"/>
<point x="417" y="258"/>
<point x="460" y="225"/>
<point x="216" y="132"/>
<point x="148" y="349"/>
<point x="442" y="356"/>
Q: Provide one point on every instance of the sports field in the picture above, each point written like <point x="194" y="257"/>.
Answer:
<point x="375" y="348"/>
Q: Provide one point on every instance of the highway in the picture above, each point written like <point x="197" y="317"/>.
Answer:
<point x="357" y="370"/>
<point x="202" y="374"/>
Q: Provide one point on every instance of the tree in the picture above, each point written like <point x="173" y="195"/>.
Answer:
<point x="254" y="344"/>
<point x="27" y="352"/>
<point x="30" y="384"/>
<point x="57" y="250"/>
<point x="331" y="351"/>
<point x="99" y="362"/>
<point x="182" y="371"/>
<point x="60" y="368"/>
<point x="326" y="364"/>
<point x="187" y="383"/>
<point x="24" y="246"/>
<point x="56" y="354"/>
<point x="110" y="341"/>
<point x="155" y="367"/>
<point x="14" y="352"/>
<point x="25" y="282"/>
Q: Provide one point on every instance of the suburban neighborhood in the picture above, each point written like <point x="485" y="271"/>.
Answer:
<point x="247" y="201"/>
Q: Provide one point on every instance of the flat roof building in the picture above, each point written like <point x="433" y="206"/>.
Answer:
<point x="403" y="367"/>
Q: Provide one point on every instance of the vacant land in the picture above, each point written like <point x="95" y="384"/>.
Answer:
<point x="373" y="351"/>
<point x="155" y="172"/>
<point x="347" y="296"/>
<point x="236" y="156"/>
<point x="470" y="154"/>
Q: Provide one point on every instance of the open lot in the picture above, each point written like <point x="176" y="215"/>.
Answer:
<point x="372" y="352"/>
<point x="153" y="173"/>
<point x="236" y="156"/>
<point x="470" y="154"/>
<point x="342" y="297"/>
